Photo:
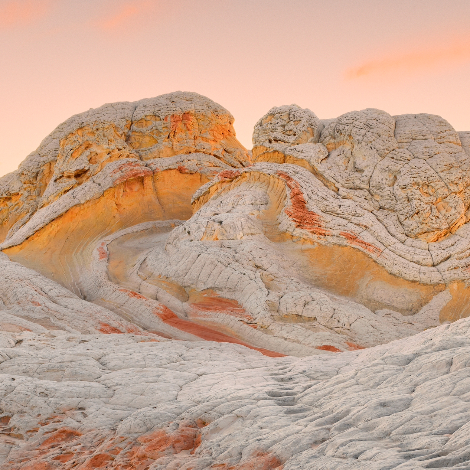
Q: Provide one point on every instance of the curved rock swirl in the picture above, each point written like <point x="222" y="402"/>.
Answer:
<point x="150" y="220"/>
<point x="352" y="246"/>
<point x="114" y="167"/>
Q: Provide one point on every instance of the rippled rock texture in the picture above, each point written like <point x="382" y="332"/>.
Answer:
<point x="171" y="300"/>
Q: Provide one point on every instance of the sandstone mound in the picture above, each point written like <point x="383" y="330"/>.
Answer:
<point x="284" y="126"/>
<point x="128" y="136"/>
<point x="137" y="230"/>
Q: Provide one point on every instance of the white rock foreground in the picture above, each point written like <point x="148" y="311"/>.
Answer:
<point x="122" y="401"/>
<point x="327" y="272"/>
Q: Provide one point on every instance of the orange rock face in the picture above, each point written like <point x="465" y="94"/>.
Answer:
<point x="189" y="132"/>
<point x="80" y="148"/>
<point x="165" y="195"/>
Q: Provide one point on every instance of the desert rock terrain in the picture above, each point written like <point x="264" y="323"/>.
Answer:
<point x="172" y="300"/>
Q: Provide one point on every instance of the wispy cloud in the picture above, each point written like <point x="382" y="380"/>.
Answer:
<point x="434" y="56"/>
<point x="14" y="13"/>
<point x="125" y="12"/>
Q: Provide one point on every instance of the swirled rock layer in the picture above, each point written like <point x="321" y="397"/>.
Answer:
<point x="170" y="300"/>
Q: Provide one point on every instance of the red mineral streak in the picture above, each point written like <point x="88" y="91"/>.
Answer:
<point x="102" y="254"/>
<point x="67" y="448"/>
<point x="298" y="212"/>
<point x="37" y="466"/>
<point x="355" y="240"/>
<point x="327" y="347"/>
<point x="133" y="330"/>
<point x="354" y="346"/>
<point x="258" y="461"/>
<point x="133" y="294"/>
<point x="108" y="329"/>
<point x="60" y="437"/>
<point x="110" y="452"/>
<point x="229" y="174"/>
<point x="160" y="443"/>
<point x="98" y="461"/>
<point x="213" y="303"/>
<point x="64" y="457"/>
<point x="131" y="170"/>
<point x="60" y="447"/>
<point x="51" y="419"/>
<point x="175" y="120"/>
<point x="182" y="169"/>
<point x="204" y="332"/>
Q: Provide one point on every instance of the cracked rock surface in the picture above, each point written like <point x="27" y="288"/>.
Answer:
<point x="124" y="401"/>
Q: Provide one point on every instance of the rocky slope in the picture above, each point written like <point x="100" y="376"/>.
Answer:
<point x="311" y="266"/>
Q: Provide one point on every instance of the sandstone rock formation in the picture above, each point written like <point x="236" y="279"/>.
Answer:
<point x="311" y="267"/>
<point x="130" y="136"/>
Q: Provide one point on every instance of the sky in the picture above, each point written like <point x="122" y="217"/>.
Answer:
<point x="62" y="57"/>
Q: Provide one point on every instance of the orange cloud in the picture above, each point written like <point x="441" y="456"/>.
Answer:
<point x="15" y="13"/>
<point x="126" y="12"/>
<point x="431" y="57"/>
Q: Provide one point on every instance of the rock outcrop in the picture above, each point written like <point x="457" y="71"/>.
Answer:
<point x="322" y="270"/>
<point x="135" y="134"/>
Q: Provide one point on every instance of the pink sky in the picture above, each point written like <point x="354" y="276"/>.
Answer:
<point x="62" y="57"/>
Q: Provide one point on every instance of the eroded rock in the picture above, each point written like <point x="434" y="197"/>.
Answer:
<point x="165" y="303"/>
<point x="81" y="147"/>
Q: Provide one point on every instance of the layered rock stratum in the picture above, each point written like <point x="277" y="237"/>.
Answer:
<point x="171" y="300"/>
